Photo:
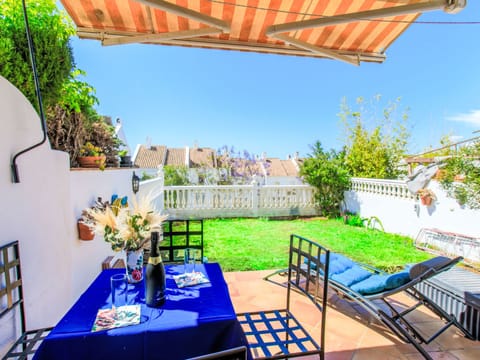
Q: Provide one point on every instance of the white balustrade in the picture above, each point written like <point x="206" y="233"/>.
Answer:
<point x="238" y="200"/>
<point x="381" y="187"/>
<point x="254" y="199"/>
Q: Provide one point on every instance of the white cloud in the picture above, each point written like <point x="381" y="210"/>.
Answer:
<point x="456" y="138"/>
<point x="472" y="118"/>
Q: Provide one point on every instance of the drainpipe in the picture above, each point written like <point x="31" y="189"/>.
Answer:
<point x="15" y="177"/>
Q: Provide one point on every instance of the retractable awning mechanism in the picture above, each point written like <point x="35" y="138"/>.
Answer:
<point x="350" y="31"/>
<point x="377" y="14"/>
<point x="217" y="26"/>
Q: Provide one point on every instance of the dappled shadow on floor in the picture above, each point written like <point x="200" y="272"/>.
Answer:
<point x="351" y="334"/>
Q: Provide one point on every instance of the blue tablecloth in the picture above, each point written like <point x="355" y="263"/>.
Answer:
<point x="195" y="320"/>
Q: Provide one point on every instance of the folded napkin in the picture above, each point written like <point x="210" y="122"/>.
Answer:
<point x="123" y="316"/>
<point x="190" y="279"/>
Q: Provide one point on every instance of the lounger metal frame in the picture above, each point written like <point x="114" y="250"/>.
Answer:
<point x="396" y="321"/>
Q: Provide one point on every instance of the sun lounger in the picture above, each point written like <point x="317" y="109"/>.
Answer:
<point x="370" y="288"/>
<point x="373" y="289"/>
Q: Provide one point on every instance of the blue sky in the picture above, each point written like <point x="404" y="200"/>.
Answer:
<point x="282" y="104"/>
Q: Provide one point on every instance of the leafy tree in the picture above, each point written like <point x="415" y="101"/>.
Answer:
<point x="51" y="30"/>
<point x="325" y="170"/>
<point x="375" y="144"/>
<point x="176" y="175"/>
<point x="69" y="103"/>
<point x="465" y="164"/>
<point x="71" y="121"/>
<point x="146" y="176"/>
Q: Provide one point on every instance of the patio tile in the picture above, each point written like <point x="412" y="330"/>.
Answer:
<point x="472" y="353"/>
<point x="378" y="353"/>
<point x="349" y="335"/>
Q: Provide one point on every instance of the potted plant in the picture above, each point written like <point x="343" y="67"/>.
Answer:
<point x="86" y="223"/>
<point x="91" y="156"/>
<point x="85" y="227"/>
<point x="128" y="229"/>
<point x="427" y="196"/>
<point x="125" y="159"/>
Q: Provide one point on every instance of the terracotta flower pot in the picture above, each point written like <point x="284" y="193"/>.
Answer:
<point x="440" y="174"/>
<point x="84" y="231"/>
<point x="92" y="161"/>
<point x="459" y="178"/>
<point x="426" y="200"/>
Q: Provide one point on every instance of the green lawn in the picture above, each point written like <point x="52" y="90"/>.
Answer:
<point x="258" y="244"/>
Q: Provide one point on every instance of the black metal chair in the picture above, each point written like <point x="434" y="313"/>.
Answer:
<point x="12" y="295"/>
<point x="238" y="353"/>
<point x="177" y="235"/>
<point x="277" y="334"/>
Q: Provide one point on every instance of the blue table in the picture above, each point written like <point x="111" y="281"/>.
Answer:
<point x="194" y="321"/>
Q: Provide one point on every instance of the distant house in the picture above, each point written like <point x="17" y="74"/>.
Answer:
<point x="149" y="158"/>
<point x="283" y="172"/>
<point x="121" y="135"/>
<point x="201" y="162"/>
<point x="205" y="168"/>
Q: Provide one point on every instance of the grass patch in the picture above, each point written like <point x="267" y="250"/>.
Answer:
<point x="259" y="244"/>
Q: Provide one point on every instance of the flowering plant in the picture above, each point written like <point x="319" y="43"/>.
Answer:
<point x="427" y="193"/>
<point x="127" y="228"/>
<point x="90" y="150"/>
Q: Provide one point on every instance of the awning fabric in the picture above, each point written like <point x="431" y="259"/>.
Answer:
<point x="346" y="30"/>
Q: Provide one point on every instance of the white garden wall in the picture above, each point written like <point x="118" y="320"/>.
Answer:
<point x="41" y="213"/>
<point x="402" y="213"/>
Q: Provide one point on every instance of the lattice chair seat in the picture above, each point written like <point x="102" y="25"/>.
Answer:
<point x="277" y="334"/>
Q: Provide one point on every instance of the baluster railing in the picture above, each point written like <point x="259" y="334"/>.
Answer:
<point x="391" y="188"/>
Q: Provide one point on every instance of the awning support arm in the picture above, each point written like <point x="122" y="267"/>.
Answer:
<point x="450" y="6"/>
<point x="274" y="31"/>
<point x="188" y="13"/>
<point x="353" y="60"/>
<point x="161" y="37"/>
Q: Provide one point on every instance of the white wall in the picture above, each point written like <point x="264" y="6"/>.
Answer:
<point x="283" y="180"/>
<point x="41" y="213"/>
<point x="408" y="216"/>
<point x="34" y="211"/>
<point x="85" y="187"/>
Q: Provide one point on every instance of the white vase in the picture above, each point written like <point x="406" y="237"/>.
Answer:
<point x="134" y="265"/>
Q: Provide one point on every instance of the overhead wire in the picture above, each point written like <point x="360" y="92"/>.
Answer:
<point x="357" y="19"/>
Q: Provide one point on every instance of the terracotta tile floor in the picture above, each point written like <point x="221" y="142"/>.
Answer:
<point x="348" y="335"/>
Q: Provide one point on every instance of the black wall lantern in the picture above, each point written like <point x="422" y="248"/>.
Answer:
<point x="135" y="183"/>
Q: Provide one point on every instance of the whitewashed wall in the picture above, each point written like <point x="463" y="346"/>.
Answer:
<point x="34" y="212"/>
<point x="41" y="213"/>
<point x="85" y="187"/>
<point x="403" y="213"/>
<point x="283" y="180"/>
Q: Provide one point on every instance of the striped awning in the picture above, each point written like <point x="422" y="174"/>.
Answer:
<point x="346" y="30"/>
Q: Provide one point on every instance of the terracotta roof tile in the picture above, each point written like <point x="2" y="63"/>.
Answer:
<point x="277" y="167"/>
<point x="202" y="157"/>
<point x="175" y="157"/>
<point x="150" y="157"/>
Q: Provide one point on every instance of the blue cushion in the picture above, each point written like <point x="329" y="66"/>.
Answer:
<point x="378" y="283"/>
<point x="339" y="264"/>
<point x="396" y="280"/>
<point x="351" y="276"/>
